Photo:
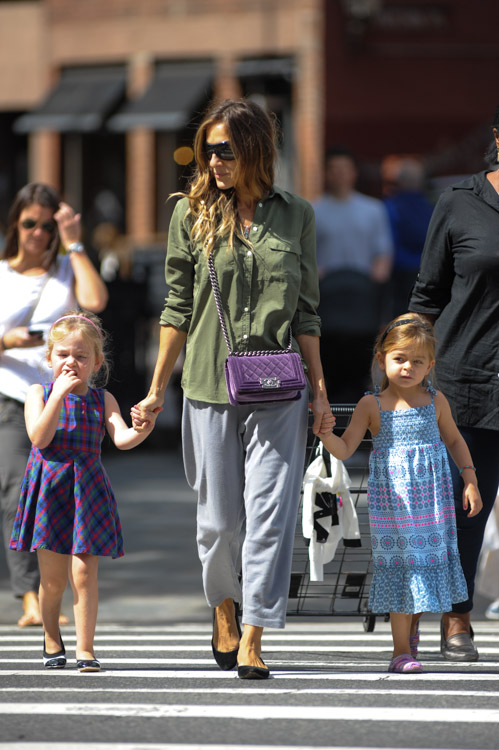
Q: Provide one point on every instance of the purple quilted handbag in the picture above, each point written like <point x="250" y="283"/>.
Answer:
<point x="255" y="377"/>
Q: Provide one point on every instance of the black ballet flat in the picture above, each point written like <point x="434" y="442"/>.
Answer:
<point x="88" y="665"/>
<point x="227" y="660"/>
<point x="57" y="660"/>
<point x="245" y="672"/>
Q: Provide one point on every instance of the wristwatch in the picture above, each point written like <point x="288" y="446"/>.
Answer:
<point x="75" y="247"/>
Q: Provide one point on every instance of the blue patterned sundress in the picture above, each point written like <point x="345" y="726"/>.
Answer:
<point x="67" y="504"/>
<point x="416" y="566"/>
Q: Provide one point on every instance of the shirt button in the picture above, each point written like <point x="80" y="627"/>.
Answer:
<point x="255" y="229"/>
<point x="260" y="205"/>
<point x="248" y="253"/>
<point x="246" y="309"/>
<point x="245" y="336"/>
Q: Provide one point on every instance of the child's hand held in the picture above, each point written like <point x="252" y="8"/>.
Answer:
<point x="323" y="418"/>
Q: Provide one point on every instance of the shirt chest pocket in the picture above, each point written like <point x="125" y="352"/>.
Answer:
<point x="283" y="260"/>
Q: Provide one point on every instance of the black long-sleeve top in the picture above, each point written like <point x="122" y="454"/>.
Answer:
<point x="458" y="282"/>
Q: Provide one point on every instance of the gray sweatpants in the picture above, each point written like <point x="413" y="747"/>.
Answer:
<point x="246" y="464"/>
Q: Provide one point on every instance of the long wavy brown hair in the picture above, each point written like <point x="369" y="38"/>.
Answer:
<point x="34" y="193"/>
<point x="252" y="137"/>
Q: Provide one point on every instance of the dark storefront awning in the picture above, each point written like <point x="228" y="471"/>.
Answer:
<point x="174" y="94"/>
<point x="80" y="103"/>
<point x="283" y="67"/>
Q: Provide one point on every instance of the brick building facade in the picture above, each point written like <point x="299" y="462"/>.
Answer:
<point x="105" y="92"/>
<point x="96" y="97"/>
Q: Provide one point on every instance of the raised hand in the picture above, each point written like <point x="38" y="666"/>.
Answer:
<point x="65" y="383"/>
<point x="69" y="224"/>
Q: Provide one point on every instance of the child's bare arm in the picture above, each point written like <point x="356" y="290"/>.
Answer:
<point x="456" y="445"/>
<point x="42" y="418"/>
<point x="343" y="447"/>
<point x="124" y="437"/>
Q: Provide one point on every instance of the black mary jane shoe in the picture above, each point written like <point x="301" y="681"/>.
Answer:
<point x="458" y="647"/>
<point x="57" y="660"/>
<point x="245" y="672"/>
<point x="88" y="665"/>
<point x="226" y="659"/>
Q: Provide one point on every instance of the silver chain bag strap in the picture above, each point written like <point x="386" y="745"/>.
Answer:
<point x="258" y="376"/>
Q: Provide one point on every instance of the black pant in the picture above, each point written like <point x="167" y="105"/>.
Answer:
<point x="484" y="449"/>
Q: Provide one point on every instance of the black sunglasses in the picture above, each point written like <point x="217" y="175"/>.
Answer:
<point x="47" y="226"/>
<point x="222" y="150"/>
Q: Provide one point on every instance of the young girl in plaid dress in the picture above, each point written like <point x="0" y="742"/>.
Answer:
<point x="67" y="511"/>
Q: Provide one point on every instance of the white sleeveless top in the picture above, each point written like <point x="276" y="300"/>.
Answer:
<point x="20" y="368"/>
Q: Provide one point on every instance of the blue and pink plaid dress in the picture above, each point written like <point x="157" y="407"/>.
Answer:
<point x="67" y="504"/>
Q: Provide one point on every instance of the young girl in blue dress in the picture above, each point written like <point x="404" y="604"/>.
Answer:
<point x="416" y="565"/>
<point x="67" y="511"/>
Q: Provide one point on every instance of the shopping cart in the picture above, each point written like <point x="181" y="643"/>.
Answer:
<point x="345" y="588"/>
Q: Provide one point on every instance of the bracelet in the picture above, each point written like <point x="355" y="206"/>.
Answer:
<point x="75" y="247"/>
<point x="467" y="467"/>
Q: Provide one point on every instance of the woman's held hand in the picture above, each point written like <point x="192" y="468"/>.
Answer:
<point x="324" y="420"/>
<point x="145" y="412"/>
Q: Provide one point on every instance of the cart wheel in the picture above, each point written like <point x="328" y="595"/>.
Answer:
<point x="369" y="623"/>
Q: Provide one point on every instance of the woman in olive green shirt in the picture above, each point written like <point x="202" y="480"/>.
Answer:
<point x="245" y="462"/>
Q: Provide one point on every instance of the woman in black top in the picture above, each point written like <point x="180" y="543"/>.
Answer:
<point x="458" y="289"/>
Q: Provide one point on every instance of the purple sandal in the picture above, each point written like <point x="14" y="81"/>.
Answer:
<point x="404" y="664"/>
<point x="414" y="643"/>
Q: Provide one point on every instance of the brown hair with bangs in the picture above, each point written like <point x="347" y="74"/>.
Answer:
<point x="408" y="330"/>
<point x="252" y="138"/>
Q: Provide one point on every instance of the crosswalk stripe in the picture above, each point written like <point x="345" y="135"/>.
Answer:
<point x="298" y="674"/>
<point x="259" y="691"/>
<point x="260" y="712"/>
<point x="345" y="648"/>
<point x="304" y="642"/>
<point x="347" y="628"/>
<point x="379" y="664"/>
<point x="156" y="746"/>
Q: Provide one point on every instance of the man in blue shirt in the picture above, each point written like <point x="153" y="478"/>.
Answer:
<point x="354" y="257"/>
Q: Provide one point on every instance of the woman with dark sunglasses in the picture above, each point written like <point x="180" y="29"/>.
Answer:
<point x="37" y="286"/>
<point x="245" y="462"/>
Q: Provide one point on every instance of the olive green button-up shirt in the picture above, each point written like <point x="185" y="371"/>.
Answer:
<point x="266" y="284"/>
